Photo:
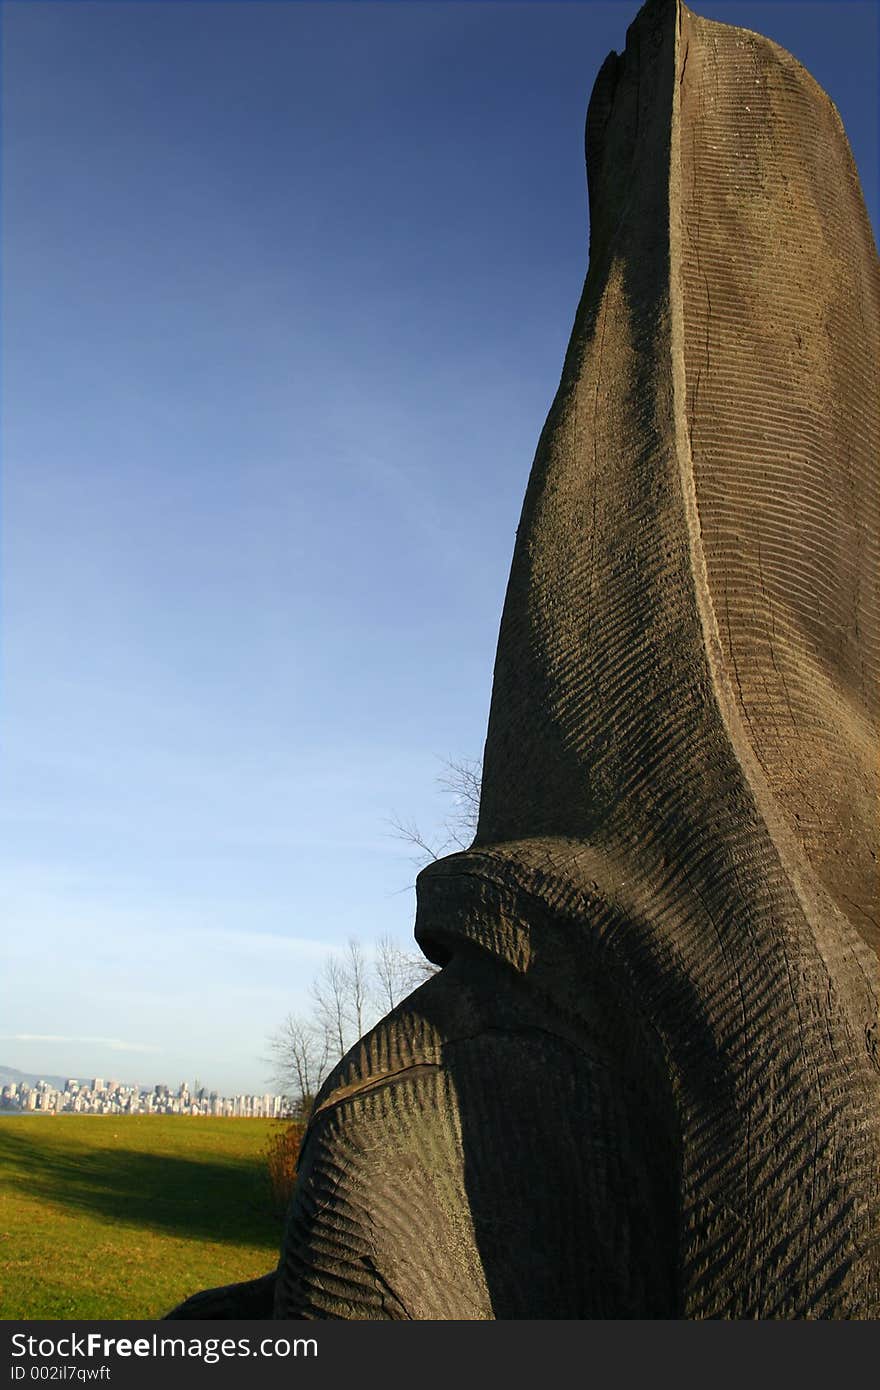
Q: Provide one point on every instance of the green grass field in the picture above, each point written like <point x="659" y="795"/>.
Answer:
<point x="124" y="1216"/>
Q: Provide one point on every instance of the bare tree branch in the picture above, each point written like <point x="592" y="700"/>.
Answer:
<point x="397" y="972"/>
<point x="356" y="985"/>
<point x="409" y="832"/>
<point x="299" y="1055"/>
<point x="461" y="779"/>
<point x="329" y="993"/>
<point x="350" y="993"/>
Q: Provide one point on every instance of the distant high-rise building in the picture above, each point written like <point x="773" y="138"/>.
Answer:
<point x="97" y="1083"/>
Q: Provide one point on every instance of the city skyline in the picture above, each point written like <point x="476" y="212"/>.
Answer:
<point x="286" y="293"/>
<point x="100" y="1097"/>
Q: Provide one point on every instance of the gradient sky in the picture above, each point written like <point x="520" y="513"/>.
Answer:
<point x="286" y="292"/>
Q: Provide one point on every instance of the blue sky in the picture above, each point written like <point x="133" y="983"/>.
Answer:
<point x="286" y="292"/>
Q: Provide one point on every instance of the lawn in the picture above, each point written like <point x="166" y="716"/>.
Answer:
<point x="124" y="1216"/>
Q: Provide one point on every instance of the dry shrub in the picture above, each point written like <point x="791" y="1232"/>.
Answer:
<point x="282" y="1152"/>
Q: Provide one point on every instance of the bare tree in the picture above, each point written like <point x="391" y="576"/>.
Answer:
<point x="356" y="983"/>
<point x="329" y="993"/>
<point x="300" y="1054"/>
<point x="396" y="972"/>
<point x="349" y="993"/>
<point x="409" y="832"/>
<point x="461" y="779"/>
